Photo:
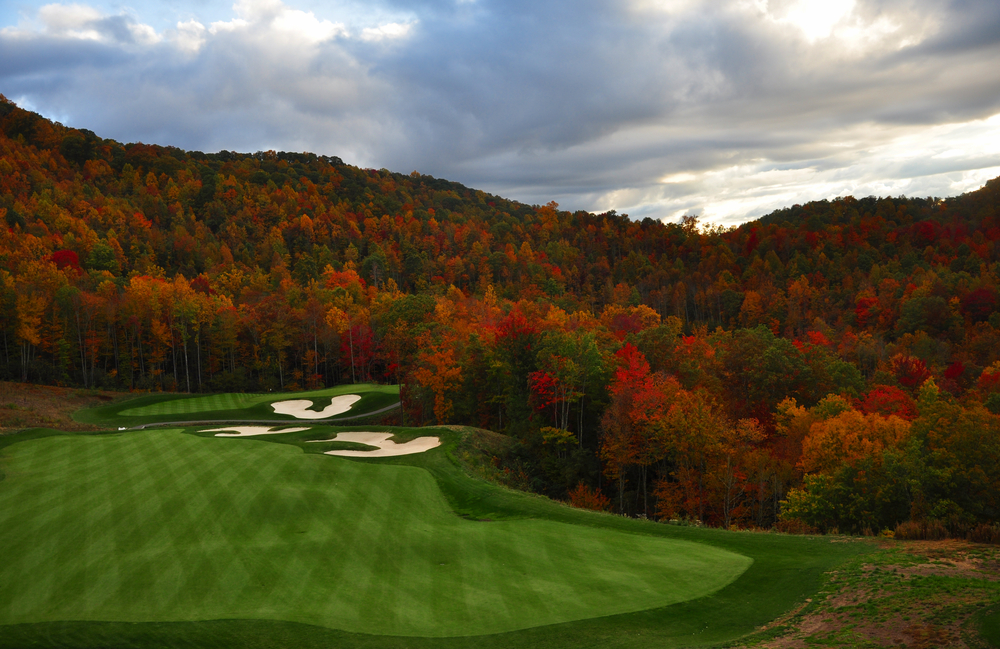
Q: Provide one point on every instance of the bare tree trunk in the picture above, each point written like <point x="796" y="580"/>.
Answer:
<point x="131" y="363"/>
<point x="142" y="361"/>
<point x="645" y="498"/>
<point x="83" y="353"/>
<point x="173" y="355"/>
<point x="197" y="342"/>
<point x="114" y="340"/>
<point x="187" y="369"/>
<point x="350" y="338"/>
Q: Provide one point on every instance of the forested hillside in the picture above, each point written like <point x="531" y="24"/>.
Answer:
<point x="830" y="366"/>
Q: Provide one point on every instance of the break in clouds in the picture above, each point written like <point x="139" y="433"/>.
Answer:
<point x="652" y="107"/>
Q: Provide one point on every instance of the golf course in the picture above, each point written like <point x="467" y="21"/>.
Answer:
<point x="283" y="521"/>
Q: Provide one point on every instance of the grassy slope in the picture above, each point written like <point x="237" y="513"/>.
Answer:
<point x="158" y="408"/>
<point x="785" y="570"/>
<point x="918" y="594"/>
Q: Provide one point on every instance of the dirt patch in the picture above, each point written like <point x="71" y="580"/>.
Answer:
<point x="915" y="594"/>
<point x="24" y="405"/>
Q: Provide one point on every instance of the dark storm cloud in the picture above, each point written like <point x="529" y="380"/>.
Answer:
<point x="595" y="104"/>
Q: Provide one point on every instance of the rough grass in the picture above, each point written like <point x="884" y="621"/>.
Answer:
<point x="917" y="594"/>
<point x="25" y="405"/>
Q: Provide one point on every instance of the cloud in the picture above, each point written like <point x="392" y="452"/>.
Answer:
<point x="652" y="107"/>
<point x="386" y="31"/>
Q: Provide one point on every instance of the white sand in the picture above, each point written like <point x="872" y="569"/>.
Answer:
<point x="385" y="448"/>
<point x="250" y="431"/>
<point x="299" y="408"/>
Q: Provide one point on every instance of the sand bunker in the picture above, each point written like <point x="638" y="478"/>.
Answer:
<point x="250" y="431"/>
<point x="299" y="408"/>
<point x="385" y="448"/>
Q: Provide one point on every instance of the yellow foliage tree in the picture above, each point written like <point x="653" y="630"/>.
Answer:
<point x="850" y="436"/>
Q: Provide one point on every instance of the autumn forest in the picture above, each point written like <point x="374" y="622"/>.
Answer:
<point x="833" y="366"/>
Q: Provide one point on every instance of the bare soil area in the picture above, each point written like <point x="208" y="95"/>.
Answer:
<point x="914" y="594"/>
<point x="24" y="405"/>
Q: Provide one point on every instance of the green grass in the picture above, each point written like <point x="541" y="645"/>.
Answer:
<point x="170" y="538"/>
<point x="170" y="408"/>
<point x="989" y="626"/>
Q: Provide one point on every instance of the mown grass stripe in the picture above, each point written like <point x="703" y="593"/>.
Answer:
<point x="243" y="528"/>
<point x="230" y="401"/>
<point x="194" y="533"/>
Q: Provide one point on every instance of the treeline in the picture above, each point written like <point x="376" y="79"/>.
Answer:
<point x="832" y="365"/>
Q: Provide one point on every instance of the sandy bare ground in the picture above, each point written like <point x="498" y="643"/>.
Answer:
<point x="250" y="431"/>
<point x="385" y="447"/>
<point x="300" y="408"/>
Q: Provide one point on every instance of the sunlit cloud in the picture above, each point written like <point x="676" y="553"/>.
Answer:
<point x="84" y="23"/>
<point x="73" y="20"/>
<point x="816" y="18"/>
<point x="387" y="31"/>
<point x="942" y="160"/>
<point x="189" y="36"/>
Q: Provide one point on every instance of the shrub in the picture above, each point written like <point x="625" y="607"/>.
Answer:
<point x="584" y="497"/>
<point x="984" y="533"/>
<point x="926" y="530"/>
<point x="796" y="526"/>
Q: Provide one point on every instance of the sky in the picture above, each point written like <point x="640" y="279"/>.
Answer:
<point x="725" y="109"/>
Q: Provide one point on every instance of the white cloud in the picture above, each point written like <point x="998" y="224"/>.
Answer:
<point x="189" y="36"/>
<point x="816" y="18"/>
<point x="72" y="20"/>
<point x="305" y="25"/>
<point x="678" y="178"/>
<point x="386" y="31"/>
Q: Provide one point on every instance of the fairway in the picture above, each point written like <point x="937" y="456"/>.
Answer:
<point x="166" y="526"/>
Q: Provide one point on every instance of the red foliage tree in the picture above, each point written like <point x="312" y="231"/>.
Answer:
<point x="64" y="259"/>
<point x="584" y="497"/>
<point x="989" y="380"/>
<point x="888" y="400"/>
<point x="910" y="371"/>
<point x="979" y="304"/>
<point x="866" y="310"/>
